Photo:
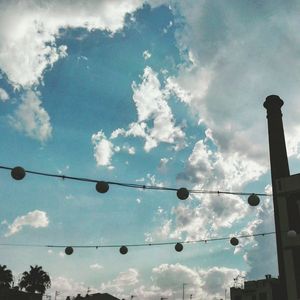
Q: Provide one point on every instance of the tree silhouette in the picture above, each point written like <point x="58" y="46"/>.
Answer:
<point x="5" y="277"/>
<point x="36" y="280"/>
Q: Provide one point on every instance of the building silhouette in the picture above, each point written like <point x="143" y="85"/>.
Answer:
<point x="263" y="289"/>
<point x="16" y="294"/>
<point x="97" y="296"/>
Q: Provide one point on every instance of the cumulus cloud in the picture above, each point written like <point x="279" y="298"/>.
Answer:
<point x="3" y="95"/>
<point x="150" y="99"/>
<point x="31" y="118"/>
<point x="209" y="283"/>
<point x="35" y="219"/>
<point x="29" y="47"/>
<point x="217" y="280"/>
<point x="260" y="252"/>
<point x="228" y="103"/>
<point x="67" y="286"/>
<point x="166" y="281"/>
<point x="209" y="170"/>
<point x="96" y="267"/>
<point x="125" y="279"/>
<point x="103" y="149"/>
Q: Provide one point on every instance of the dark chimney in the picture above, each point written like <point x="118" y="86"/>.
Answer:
<point x="278" y="155"/>
<point x="279" y="169"/>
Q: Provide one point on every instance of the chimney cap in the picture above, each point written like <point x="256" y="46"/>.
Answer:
<point x="273" y="101"/>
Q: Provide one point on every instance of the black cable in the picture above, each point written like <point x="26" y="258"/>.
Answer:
<point x="138" y="244"/>
<point x="138" y="186"/>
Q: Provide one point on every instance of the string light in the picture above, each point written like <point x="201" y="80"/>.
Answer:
<point x="19" y="173"/>
<point x="178" y="247"/>
<point x="234" y="241"/>
<point x="183" y="193"/>
<point x="253" y="200"/>
<point x="69" y="250"/>
<point x="102" y="187"/>
<point x="291" y="233"/>
<point x="124" y="249"/>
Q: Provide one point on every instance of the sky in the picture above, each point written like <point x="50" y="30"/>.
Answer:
<point x="157" y="92"/>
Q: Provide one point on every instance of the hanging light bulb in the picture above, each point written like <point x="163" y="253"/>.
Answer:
<point x="18" y="173"/>
<point x="69" y="250"/>
<point x="178" y="247"/>
<point x="123" y="250"/>
<point x="102" y="187"/>
<point x="291" y="233"/>
<point x="182" y="193"/>
<point x="253" y="200"/>
<point x="234" y="241"/>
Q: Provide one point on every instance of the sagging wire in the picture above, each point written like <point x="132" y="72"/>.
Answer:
<point x="19" y="173"/>
<point x="123" y="249"/>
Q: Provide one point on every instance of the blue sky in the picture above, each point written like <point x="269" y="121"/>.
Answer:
<point x="164" y="93"/>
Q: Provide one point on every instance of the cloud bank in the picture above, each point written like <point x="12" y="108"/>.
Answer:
<point x="29" y="47"/>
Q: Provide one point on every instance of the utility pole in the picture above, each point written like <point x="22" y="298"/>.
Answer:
<point x="183" y="285"/>
<point x="56" y="294"/>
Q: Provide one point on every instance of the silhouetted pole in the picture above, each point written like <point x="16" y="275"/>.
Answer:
<point x="279" y="168"/>
<point x="183" y="285"/>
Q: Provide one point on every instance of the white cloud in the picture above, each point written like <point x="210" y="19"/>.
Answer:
<point x="167" y="279"/>
<point x="217" y="279"/>
<point x="117" y="132"/>
<point x="212" y="171"/>
<point x="260" y="252"/>
<point x="151" y="180"/>
<point x="163" y="164"/>
<point x="96" y="267"/>
<point x="151" y="104"/>
<point x="230" y="104"/>
<point x="103" y="149"/>
<point x="172" y="86"/>
<point x="31" y="118"/>
<point x="69" y="197"/>
<point x="35" y="219"/>
<point x="4" y="222"/>
<point x="164" y="280"/>
<point x="61" y="254"/>
<point x="29" y="47"/>
<point x="67" y="286"/>
<point x="3" y="95"/>
<point x="146" y="54"/>
<point x="129" y="149"/>
<point x="125" y="279"/>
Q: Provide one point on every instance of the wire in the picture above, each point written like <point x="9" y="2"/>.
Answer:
<point x="138" y="186"/>
<point x="139" y="244"/>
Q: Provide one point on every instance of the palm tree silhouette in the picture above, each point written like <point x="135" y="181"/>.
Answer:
<point x="36" y="280"/>
<point x="5" y="277"/>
